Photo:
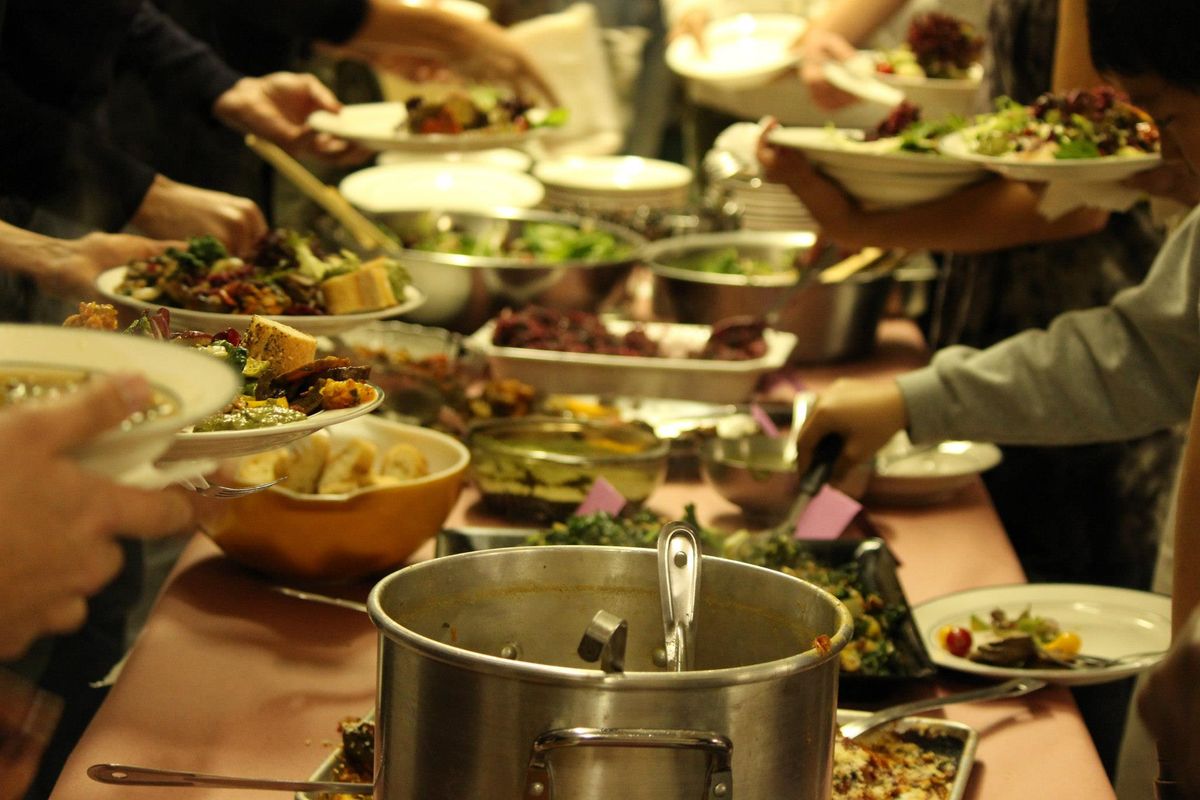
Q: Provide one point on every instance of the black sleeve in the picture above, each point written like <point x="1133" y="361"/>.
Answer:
<point x="172" y="60"/>
<point x="55" y="162"/>
<point x="332" y="21"/>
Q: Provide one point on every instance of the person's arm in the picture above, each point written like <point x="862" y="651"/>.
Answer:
<point x="69" y="266"/>
<point x="855" y="20"/>
<point x="1102" y="374"/>
<point x="989" y="215"/>
<point x="54" y="161"/>
<point x="1072" y="56"/>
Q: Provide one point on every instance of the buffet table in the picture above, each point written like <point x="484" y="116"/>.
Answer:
<point x="230" y="677"/>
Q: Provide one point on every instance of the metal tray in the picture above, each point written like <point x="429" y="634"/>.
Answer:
<point x="947" y="737"/>
<point x="877" y="567"/>
<point x="706" y="380"/>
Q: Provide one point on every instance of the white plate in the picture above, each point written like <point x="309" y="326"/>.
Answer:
<point x="857" y="76"/>
<point x="1112" y="622"/>
<point x="200" y="385"/>
<point x="501" y="158"/>
<point x="1105" y="168"/>
<point x="189" y="446"/>
<point x="380" y="126"/>
<point x="840" y="147"/>
<point x="904" y="476"/>
<point x="463" y="8"/>
<point x="612" y="174"/>
<point x="742" y="51"/>
<point x="211" y="322"/>
<point x="589" y="373"/>
<point x="425" y="186"/>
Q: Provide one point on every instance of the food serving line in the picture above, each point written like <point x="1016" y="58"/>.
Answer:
<point x="230" y="677"/>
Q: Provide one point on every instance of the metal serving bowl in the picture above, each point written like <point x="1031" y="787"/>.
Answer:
<point x="753" y="473"/>
<point x="832" y="320"/>
<point x="463" y="292"/>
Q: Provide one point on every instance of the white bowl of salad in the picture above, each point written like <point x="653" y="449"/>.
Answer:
<point x="937" y="67"/>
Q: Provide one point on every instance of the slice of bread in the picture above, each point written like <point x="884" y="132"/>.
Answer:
<point x="365" y="289"/>
<point x="305" y="462"/>
<point x="282" y="345"/>
<point x="404" y="462"/>
<point x="350" y="467"/>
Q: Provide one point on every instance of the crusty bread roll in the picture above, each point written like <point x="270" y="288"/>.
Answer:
<point x="365" y="289"/>
<point x="403" y="462"/>
<point x="305" y="463"/>
<point x="350" y="467"/>
<point x="282" y="345"/>
<point x="261" y="467"/>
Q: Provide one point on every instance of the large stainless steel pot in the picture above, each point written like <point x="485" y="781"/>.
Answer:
<point x="462" y="292"/>
<point x="832" y="321"/>
<point x="482" y="693"/>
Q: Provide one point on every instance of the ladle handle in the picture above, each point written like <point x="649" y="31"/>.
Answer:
<point x="126" y="775"/>
<point x="1013" y="688"/>
<point x="678" y="587"/>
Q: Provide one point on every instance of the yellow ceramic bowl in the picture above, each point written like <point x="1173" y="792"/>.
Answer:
<point x="348" y="536"/>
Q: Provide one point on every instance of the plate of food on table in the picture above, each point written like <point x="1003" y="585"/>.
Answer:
<point x="289" y="277"/>
<point x="440" y="119"/>
<point x="1071" y="634"/>
<point x="286" y="391"/>
<point x="1082" y="135"/>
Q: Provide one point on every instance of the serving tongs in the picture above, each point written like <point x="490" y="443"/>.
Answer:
<point x="678" y="588"/>
<point x="368" y="235"/>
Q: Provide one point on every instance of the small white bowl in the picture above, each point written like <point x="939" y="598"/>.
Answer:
<point x="742" y="51"/>
<point x="438" y="185"/>
<point x="196" y="383"/>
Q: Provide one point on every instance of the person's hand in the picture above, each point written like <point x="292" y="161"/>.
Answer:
<point x="70" y="266"/>
<point x="173" y="210"/>
<point x="866" y="413"/>
<point x="835" y="211"/>
<point x="1169" y="704"/>
<point x="816" y="48"/>
<point x="60" y="523"/>
<point x="692" y="24"/>
<point x="1173" y="180"/>
<point x="276" y="107"/>
<point x="397" y="37"/>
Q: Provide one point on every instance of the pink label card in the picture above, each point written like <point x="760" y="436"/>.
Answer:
<point x="828" y="515"/>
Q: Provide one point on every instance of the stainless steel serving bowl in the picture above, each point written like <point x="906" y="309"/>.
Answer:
<point x="833" y="321"/>
<point x="753" y="473"/>
<point x="463" y="291"/>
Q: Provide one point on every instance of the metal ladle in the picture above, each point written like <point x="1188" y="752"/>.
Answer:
<point x="678" y="587"/>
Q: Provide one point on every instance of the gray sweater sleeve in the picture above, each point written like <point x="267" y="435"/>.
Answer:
<point x="1104" y="374"/>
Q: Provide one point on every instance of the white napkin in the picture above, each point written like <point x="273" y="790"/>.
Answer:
<point x="1062" y="197"/>
<point x="569" y="49"/>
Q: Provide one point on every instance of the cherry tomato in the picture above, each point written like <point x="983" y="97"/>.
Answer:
<point x="955" y="640"/>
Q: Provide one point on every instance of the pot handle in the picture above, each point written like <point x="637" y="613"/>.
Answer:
<point x="718" y="781"/>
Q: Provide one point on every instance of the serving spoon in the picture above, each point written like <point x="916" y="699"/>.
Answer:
<point x="128" y="775"/>
<point x="1014" y="688"/>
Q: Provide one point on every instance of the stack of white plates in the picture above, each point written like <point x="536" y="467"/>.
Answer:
<point x="614" y="184"/>
<point x="442" y="185"/>
<point x="762" y="206"/>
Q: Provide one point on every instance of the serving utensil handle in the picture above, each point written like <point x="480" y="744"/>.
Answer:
<point x="678" y="587"/>
<point x="127" y="775"/>
<point x="1014" y="688"/>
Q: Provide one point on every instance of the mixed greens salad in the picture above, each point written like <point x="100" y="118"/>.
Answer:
<point x="872" y="651"/>
<point x="478" y="108"/>
<point x="728" y="261"/>
<point x="911" y="133"/>
<point x="535" y="242"/>
<point x="938" y="46"/>
<point x="1080" y="124"/>
<point x="282" y="276"/>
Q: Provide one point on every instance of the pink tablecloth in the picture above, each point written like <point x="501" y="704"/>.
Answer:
<point x="229" y="677"/>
